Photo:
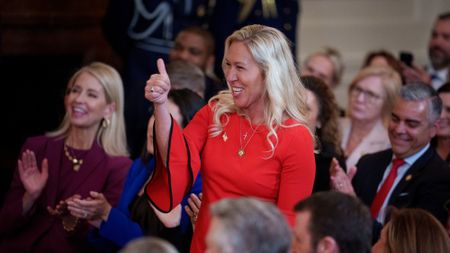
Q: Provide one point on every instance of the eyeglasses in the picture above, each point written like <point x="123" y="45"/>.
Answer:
<point x="355" y="91"/>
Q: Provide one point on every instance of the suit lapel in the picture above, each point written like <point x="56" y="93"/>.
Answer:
<point x="378" y="172"/>
<point x="413" y="172"/>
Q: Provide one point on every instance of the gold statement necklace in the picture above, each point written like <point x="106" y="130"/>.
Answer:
<point x="76" y="163"/>
<point x="241" y="151"/>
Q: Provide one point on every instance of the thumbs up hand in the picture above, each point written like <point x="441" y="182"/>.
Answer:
<point x="158" y="86"/>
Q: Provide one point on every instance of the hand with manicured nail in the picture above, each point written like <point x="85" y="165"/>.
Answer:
<point x="158" y="86"/>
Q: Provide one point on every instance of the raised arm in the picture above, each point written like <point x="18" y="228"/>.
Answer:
<point x="32" y="178"/>
<point x="156" y="91"/>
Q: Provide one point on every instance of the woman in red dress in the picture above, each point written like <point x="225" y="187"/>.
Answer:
<point x="251" y="140"/>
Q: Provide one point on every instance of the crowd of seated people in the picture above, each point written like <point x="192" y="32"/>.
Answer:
<point x="371" y="96"/>
<point x="275" y="134"/>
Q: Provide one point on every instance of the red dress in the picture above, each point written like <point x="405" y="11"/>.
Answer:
<point x="284" y="179"/>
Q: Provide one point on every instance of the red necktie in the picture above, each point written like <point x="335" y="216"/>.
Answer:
<point x="385" y="188"/>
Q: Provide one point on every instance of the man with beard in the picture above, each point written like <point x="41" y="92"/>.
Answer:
<point x="196" y="45"/>
<point x="436" y="73"/>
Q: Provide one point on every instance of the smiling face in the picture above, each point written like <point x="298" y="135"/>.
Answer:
<point x="245" y="78"/>
<point x="443" y="129"/>
<point x="409" y="128"/>
<point x="192" y="48"/>
<point x="86" y="104"/>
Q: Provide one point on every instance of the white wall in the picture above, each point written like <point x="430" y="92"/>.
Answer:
<point x="355" y="27"/>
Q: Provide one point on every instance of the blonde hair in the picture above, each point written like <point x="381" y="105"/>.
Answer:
<point x="186" y="75"/>
<point x="333" y="55"/>
<point x="284" y="93"/>
<point x="112" y="138"/>
<point x="414" y="230"/>
<point x="390" y="81"/>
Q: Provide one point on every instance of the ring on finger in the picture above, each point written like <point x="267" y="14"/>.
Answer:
<point x="152" y="89"/>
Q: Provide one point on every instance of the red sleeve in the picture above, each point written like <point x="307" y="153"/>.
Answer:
<point x="172" y="181"/>
<point x="298" y="171"/>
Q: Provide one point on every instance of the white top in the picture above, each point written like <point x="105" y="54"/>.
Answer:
<point x="375" y="141"/>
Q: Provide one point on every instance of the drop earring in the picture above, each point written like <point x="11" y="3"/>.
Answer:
<point x="105" y="123"/>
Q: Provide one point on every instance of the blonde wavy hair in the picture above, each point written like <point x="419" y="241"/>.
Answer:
<point x="284" y="95"/>
<point x="391" y="82"/>
<point x="335" y="57"/>
<point x="112" y="138"/>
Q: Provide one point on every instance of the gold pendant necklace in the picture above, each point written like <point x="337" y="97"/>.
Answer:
<point x="241" y="151"/>
<point x="76" y="163"/>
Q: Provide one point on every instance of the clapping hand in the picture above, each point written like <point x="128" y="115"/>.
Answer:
<point x="33" y="178"/>
<point x="69" y="221"/>
<point x="339" y="180"/>
<point x="61" y="209"/>
<point x="94" y="208"/>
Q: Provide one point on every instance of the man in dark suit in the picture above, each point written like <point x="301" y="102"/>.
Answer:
<point x="437" y="71"/>
<point x="410" y="174"/>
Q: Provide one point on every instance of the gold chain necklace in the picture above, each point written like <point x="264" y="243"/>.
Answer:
<point x="241" y="151"/>
<point x="75" y="162"/>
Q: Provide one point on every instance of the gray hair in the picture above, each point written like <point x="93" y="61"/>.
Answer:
<point x="251" y="226"/>
<point x="421" y="92"/>
<point x="149" y="245"/>
<point x="186" y="75"/>
<point x="335" y="57"/>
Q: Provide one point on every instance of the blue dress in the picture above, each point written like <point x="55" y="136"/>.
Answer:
<point x="119" y="229"/>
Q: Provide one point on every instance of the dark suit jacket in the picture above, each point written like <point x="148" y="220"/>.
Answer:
<point x="323" y="161"/>
<point x="425" y="185"/>
<point x="40" y="232"/>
